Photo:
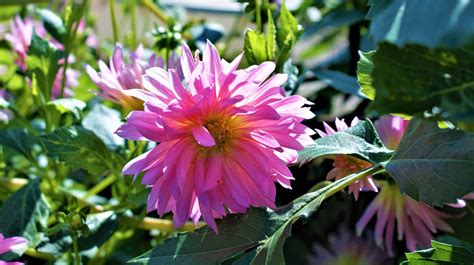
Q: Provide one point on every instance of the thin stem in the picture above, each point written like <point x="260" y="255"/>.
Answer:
<point x="39" y="255"/>
<point x="258" y="15"/>
<point x="75" y="246"/>
<point x="155" y="10"/>
<point x="133" y="11"/>
<point x="114" y="20"/>
<point x="351" y="179"/>
<point x="101" y="186"/>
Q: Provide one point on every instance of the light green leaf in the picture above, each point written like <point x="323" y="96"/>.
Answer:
<point x="288" y="27"/>
<point x="104" y="121"/>
<point x="415" y="79"/>
<point x="434" y="165"/>
<point x="364" y="74"/>
<point x="72" y="105"/>
<point x="361" y="141"/>
<point x="441" y="253"/>
<point x="270" y="40"/>
<point x="81" y="148"/>
<point x="428" y="22"/>
<point x="25" y="214"/>
<point x="255" y="47"/>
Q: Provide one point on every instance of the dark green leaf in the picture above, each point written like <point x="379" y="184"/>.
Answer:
<point x="104" y="121"/>
<point x="441" y="253"/>
<point x="361" y="141"/>
<point x="19" y="140"/>
<point x="415" y="79"/>
<point x="24" y="214"/>
<point x="364" y="74"/>
<point x="340" y="81"/>
<point x="334" y="18"/>
<point x="81" y="148"/>
<point x="428" y="22"/>
<point x="264" y="229"/>
<point x="53" y="24"/>
<point x="434" y="165"/>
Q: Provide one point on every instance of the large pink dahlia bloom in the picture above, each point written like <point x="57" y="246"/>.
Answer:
<point x="114" y="80"/>
<point x="345" y="165"/>
<point x="11" y="244"/>
<point x="225" y="136"/>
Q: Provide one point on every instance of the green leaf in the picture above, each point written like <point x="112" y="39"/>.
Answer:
<point x="24" y="214"/>
<point x="104" y="121"/>
<point x="433" y="165"/>
<point x="361" y="141"/>
<point x="364" y="74"/>
<point x="262" y="229"/>
<point x="428" y="22"/>
<point x="254" y="47"/>
<point x="43" y="64"/>
<point x="72" y="105"/>
<point x="53" y="24"/>
<point x="270" y="41"/>
<point x="288" y="27"/>
<point x="441" y="253"/>
<point x="415" y="79"/>
<point x="334" y="18"/>
<point x="81" y="148"/>
<point x="340" y="81"/>
<point x="19" y="140"/>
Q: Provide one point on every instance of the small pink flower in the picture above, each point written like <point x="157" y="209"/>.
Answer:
<point x="114" y="80"/>
<point x="391" y="129"/>
<point x="346" y="248"/>
<point x="225" y="136"/>
<point x="20" y="40"/>
<point x="414" y="220"/>
<point x="345" y="165"/>
<point x="11" y="244"/>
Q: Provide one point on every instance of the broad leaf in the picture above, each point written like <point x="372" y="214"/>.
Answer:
<point x="19" y="140"/>
<point x="254" y="47"/>
<point x="25" y="214"/>
<point x="364" y="74"/>
<point x="441" y="253"/>
<point x="104" y="121"/>
<point x="81" y="148"/>
<point x="53" y="24"/>
<point x="340" y="81"/>
<point x="334" y="18"/>
<point x="416" y="79"/>
<point x="72" y="105"/>
<point x="361" y="141"/>
<point x="427" y="22"/>
<point x="262" y="229"/>
<point x="434" y="165"/>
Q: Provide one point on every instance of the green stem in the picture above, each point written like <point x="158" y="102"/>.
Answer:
<point x="133" y="19"/>
<point x="39" y="255"/>
<point x="101" y="186"/>
<point x="258" y="15"/>
<point x="351" y="179"/>
<point x="114" y="20"/>
<point x="75" y="246"/>
<point x="155" y="10"/>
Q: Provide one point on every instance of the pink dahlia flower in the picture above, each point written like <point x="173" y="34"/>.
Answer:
<point x="20" y="40"/>
<point x="225" y="136"/>
<point x="114" y="80"/>
<point x="345" y="165"/>
<point x="391" y="129"/>
<point x="414" y="220"/>
<point x="11" y="244"/>
<point x="346" y="248"/>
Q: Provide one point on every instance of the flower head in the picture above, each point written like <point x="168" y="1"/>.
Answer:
<point x="346" y="248"/>
<point x="345" y="165"/>
<point x="414" y="220"/>
<point x="391" y="129"/>
<point x="114" y="80"/>
<point x="11" y="244"/>
<point x="225" y="136"/>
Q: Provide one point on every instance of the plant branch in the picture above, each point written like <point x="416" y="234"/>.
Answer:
<point x="155" y="10"/>
<point x="113" y="17"/>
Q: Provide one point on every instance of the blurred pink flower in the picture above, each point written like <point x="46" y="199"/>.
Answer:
<point x="114" y="80"/>
<point x="20" y="39"/>
<point x="225" y="136"/>
<point x="391" y="129"/>
<point x="346" y="248"/>
<point x="345" y="165"/>
<point x="11" y="244"/>
<point x="415" y="221"/>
